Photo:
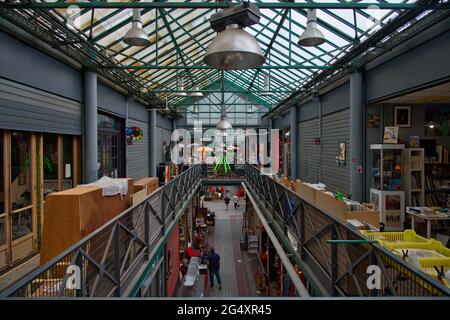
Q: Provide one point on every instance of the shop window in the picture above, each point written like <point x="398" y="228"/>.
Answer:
<point x="21" y="184"/>
<point x="2" y="179"/>
<point x="20" y="170"/>
<point x="110" y="146"/>
<point x="50" y="163"/>
<point x="22" y="223"/>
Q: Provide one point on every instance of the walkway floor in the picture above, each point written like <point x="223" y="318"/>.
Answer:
<point x="238" y="269"/>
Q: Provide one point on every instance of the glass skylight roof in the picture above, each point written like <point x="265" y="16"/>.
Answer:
<point x="181" y="36"/>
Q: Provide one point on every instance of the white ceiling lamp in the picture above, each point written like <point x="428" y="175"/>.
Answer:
<point x="196" y="92"/>
<point x="312" y="36"/>
<point x="266" y="91"/>
<point x="223" y="124"/>
<point x="233" y="48"/>
<point x="180" y="84"/>
<point x="136" y="36"/>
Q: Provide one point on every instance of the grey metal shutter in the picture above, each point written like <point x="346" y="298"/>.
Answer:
<point x="166" y="138"/>
<point x="335" y="129"/>
<point x="159" y="145"/>
<point x="26" y="108"/>
<point x="307" y="151"/>
<point x="137" y="153"/>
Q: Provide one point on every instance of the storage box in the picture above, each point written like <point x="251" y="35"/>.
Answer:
<point x="305" y="192"/>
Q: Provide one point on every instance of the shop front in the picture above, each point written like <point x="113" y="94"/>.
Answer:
<point x="32" y="165"/>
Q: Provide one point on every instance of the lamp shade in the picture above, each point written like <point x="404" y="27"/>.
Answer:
<point x="196" y="92"/>
<point x="234" y="49"/>
<point x="181" y="92"/>
<point x="266" y="92"/>
<point x="312" y="36"/>
<point x="224" y="124"/>
<point x="136" y="36"/>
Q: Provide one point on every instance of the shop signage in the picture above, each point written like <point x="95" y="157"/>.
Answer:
<point x="317" y="141"/>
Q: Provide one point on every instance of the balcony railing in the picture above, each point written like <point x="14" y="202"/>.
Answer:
<point x="101" y="264"/>
<point x="338" y="255"/>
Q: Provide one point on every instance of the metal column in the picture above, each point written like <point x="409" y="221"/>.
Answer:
<point x="356" y="135"/>
<point x="90" y="138"/>
<point x="152" y="142"/>
<point x="293" y="119"/>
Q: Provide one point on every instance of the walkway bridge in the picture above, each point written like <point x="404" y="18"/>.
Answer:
<point x="115" y="260"/>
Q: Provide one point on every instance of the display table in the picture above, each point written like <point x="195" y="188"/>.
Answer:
<point x="437" y="216"/>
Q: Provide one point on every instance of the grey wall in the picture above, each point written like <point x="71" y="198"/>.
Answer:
<point x="111" y="101"/>
<point x="422" y="64"/>
<point x="29" y="66"/>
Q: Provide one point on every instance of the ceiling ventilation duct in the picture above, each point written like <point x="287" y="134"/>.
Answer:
<point x="233" y="48"/>
<point x="312" y="36"/>
<point x="136" y="36"/>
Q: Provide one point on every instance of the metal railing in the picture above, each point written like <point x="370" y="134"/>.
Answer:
<point x="323" y="245"/>
<point x="102" y="264"/>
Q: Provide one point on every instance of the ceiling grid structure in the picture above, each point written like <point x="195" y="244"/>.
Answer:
<point x="179" y="34"/>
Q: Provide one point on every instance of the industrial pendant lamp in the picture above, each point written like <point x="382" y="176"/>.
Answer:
<point x="180" y="84"/>
<point x="136" y="36"/>
<point x="233" y="48"/>
<point x="266" y="91"/>
<point x="196" y="92"/>
<point x="223" y="124"/>
<point x="312" y="36"/>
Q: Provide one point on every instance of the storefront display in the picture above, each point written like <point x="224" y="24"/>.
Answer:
<point x="387" y="193"/>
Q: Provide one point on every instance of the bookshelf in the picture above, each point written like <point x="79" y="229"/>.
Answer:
<point x="437" y="184"/>
<point x="414" y="171"/>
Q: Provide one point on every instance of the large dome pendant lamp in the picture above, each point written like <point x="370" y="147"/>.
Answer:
<point x="233" y="48"/>
<point x="312" y="36"/>
<point x="136" y="36"/>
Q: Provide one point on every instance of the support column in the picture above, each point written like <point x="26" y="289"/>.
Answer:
<point x="152" y="142"/>
<point x="90" y="138"/>
<point x="294" y="135"/>
<point x="356" y="135"/>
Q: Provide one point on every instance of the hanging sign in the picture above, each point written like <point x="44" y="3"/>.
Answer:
<point x="134" y="134"/>
<point x="317" y="141"/>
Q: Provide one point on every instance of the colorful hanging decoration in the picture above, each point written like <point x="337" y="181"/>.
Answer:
<point x="134" y="134"/>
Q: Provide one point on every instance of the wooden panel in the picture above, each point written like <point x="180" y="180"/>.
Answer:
<point x="75" y="213"/>
<point x="152" y="183"/>
<point x="139" y="196"/>
<point x="23" y="247"/>
<point x="3" y="257"/>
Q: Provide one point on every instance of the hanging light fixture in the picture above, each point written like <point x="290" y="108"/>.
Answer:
<point x="180" y="84"/>
<point x="136" y="36"/>
<point x="223" y="124"/>
<point x="312" y="36"/>
<point x="266" y="91"/>
<point x="233" y="48"/>
<point x="196" y="92"/>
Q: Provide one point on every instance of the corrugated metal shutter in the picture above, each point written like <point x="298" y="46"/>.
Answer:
<point x="307" y="151"/>
<point x="25" y="108"/>
<point x="159" y="145"/>
<point x="336" y="128"/>
<point x="137" y="153"/>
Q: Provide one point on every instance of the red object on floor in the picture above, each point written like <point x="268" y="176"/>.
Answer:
<point x="192" y="253"/>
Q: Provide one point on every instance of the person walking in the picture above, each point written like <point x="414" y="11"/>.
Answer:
<point x="227" y="201"/>
<point x="214" y="267"/>
<point x="236" y="202"/>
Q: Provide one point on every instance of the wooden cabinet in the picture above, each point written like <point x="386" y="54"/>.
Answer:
<point x="72" y="214"/>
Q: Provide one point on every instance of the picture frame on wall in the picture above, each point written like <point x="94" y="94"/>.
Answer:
<point x="341" y="153"/>
<point x="402" y="116"/>
<point x="373" y="120"/>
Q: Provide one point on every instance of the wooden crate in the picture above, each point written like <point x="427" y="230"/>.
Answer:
<point x="305" y="192"/>
<point x="151" y="183"/>
<point x="72" y="214"/>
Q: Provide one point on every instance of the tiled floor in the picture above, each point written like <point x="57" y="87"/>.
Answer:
<point x="237" y="268"/>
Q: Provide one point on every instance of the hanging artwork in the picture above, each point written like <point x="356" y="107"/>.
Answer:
<point x="373" y="120"/>
<point x="134" y="134"/>
<point x="402" y="116"/>
<point x="341" y="153"/>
